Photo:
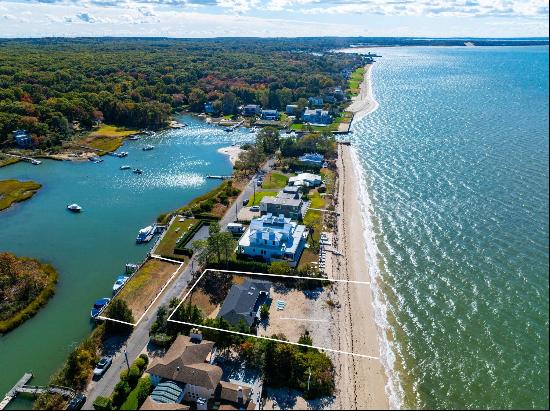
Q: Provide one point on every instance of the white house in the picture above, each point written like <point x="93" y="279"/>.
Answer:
<point x="274" y="238"/>
<point x="312" y="158"/>
<point x="316" y="116"/>
<point x="305" y="179"/>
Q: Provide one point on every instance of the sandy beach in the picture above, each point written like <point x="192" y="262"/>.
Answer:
<point x="364" y="103"/>
<point x="231" y="151"/>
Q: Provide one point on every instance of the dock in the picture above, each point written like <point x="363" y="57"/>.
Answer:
<point x="218" y="177"/>
<point x="22" y="387"/>
<point x="24" y="158"/>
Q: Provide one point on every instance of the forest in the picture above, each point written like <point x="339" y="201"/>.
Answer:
<point x="47" y="86"/>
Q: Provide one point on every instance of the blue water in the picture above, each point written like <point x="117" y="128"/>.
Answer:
<point x="90" y="249"/>
<point x="455" y="160"/>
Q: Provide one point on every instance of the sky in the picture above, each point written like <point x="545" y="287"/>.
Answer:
<point x="274" y="18"/>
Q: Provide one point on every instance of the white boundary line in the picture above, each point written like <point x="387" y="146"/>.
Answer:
<point x="157" y="257"/>
<point x="259" y="336"/>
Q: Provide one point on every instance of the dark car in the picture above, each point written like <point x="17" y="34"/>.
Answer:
<point x="77" y="402"/>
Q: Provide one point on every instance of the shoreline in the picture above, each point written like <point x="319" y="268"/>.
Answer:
<point x="232" y="152"/>
<point x="364" y="103"/>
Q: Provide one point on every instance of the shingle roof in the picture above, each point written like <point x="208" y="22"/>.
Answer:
<point x="184" y="362"/>
<point x="151" y="405"/>
<point x="229" y="392"/>
<point x="241" y="301"/>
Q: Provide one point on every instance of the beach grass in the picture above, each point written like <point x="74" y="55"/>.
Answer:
<point x="275" y="181"/>
<point x="6" y="161"/>
<point x="14" y="191"/>
<point x="108" y="137"/>
<point x="255" y="200"/>
<point x="170" y="238"/>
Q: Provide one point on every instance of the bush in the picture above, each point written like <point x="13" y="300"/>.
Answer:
<point x="162" y="340"/>
<point x="103" y="403"/>
<point x="264" y="311"/>
<point x="133" y="375"/>
<point x="120" y="393"/>
<point x="145" y="358"/>
<point x="140" y="363"/>
<point x="124" y="375"/>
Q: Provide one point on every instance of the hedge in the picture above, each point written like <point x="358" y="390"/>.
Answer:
<point x="138" y="395"/>
<point x="33" y="307"/>
<point x="241" y="265"/>
<point x="103" y="403"/>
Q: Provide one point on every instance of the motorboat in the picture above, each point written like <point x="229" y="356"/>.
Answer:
<point x="148" y="147"/>
<point x="98" y="306"/>
<point x="95" y="159"/>
<point x="120" y="281"/>
<point x="75" y="208"/>
<point x="125" y="167"/>
<point x="145" y="234"/>
<point x="137" y="171"/>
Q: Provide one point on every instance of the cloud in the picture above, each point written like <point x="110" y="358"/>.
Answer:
<point x="86" y="17"/>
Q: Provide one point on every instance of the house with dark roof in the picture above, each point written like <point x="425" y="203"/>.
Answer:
<point x="251" y="110"/>
<point x="22" y="138"/>
<point x="243" y="302"/>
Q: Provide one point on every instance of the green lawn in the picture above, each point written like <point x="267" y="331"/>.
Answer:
<point x="275" y="181"/>
<point x="13" y="191"/>
<point x="170" y="238"/>
<point x="315" y="218"/>
<point x="355" y="81"/>
<point x="259" y="196"/>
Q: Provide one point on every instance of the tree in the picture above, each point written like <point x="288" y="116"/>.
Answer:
<point x="280" y="268"/>
<point x="229" y="103"/>
<point x="264" y="311"/>
<point x="268" y="140"/>
<point x="118" y="310"/>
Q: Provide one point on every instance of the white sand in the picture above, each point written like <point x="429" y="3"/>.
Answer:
<point x="232" y="151"/>
<point x="364" y="103"/>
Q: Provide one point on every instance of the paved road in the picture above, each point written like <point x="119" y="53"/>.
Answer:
<point x="139" y="338"/>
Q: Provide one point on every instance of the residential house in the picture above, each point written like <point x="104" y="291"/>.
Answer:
<point x="283" y="204"/>
<point x="294" y="191"/>
<point x="243" y="302"/>
<point x="270" y="115"/>
<point x="209" y="108"/>
<point x="22" y="138"/>
<point x="305" y="179"/>
<point x="251" y="110"/>
<point x="312" y="158"/>
<point x="274" y="238"/>
<point x="292" y="109"/>
<point x="316" y="116"/>
<point x="315" y="101"/>
<point x="338" y="93"/>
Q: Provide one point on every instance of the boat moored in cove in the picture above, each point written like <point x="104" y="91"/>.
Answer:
<point x="148" y="147"/>
<point x="98" y="306"/>
<point x="75" y="208"/>
<point x="120" y="281"/>
<point x="137" y="171"/>
<point x="125" y="167"/>
<point x="145" y="234"/>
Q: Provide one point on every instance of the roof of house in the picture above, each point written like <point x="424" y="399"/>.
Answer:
<point x="281" y="200"/>
<point x="150" y="404"/>
<point x="291" y="189"/>
<point x="230" y="392"/>
<point x="184" y="362"/>
<point x="167" y="392"/>
<point x="241" y="301"/>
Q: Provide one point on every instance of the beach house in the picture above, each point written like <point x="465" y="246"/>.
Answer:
<point x="293" y="191"/>
<point x="312" y="158"/>
<point x="315" y="101"/>
<point x="292" y="109"/>
<point x="186" y="374"/>
<point x="316" y="116"/>
<point x="243" y="302"/>
<point x="251" y="110"/>
<point x="22" y="138"/>
<point x="270" y="115"/>
<point x="283" y="204"/>
<point x="305" y="179"/>
<point x="274" y="238"/>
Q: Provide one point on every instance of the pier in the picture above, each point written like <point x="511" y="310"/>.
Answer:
<point x="218" y="177"/>
<point x="24" y="158"/>
<point x="21" y="387"/>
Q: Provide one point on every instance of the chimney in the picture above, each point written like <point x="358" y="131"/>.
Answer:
<point x="240" y="397"/>
<point x="195" y="335"/>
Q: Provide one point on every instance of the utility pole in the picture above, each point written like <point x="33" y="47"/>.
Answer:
<point x="126" y="357"/>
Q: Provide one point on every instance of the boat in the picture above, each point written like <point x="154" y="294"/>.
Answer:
<point x="75" y="208"/>
<point x="137" y="171"/>
<point x="95" y="159"/>
<point x="145" y="234"/>
<point x="125" y="167"/>
<point x="228" y="129"/>
<point x="134" y="138"/>
<point x="98" y="306"/>
<point x="148" y="147"/>
<point x="121" y="154"/>
<point x="120" y="281"/>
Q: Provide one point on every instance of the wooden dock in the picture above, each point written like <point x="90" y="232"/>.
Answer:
<point x="219" y="177"/>
<point x="15" y="390"/>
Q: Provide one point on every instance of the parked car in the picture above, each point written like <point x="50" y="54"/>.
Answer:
<point x="77" y="402"/>
<point x="255" y="208"/>
<point x="102" y="366"/>
<point x="245" y="201"/>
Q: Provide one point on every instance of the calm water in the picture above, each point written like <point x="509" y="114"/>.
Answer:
<point x="456" y="164"/>
<point x="90" y="249"/>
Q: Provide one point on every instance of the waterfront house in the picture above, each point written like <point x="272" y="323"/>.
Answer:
<point x="315" y="101"/>
<point x="305" y="179"/>
<point x="270" y="115"/>
<point x="292" y="109"/>
<point x="274" y="238"/>
<point x="243" y="302"/>
<point x="284" y="204"/>
<point x="251" y="110"/>
<point x="294" y="191"/>
<point x="22" y="138"/>
<point x="316" y="116"/>
<point x="312" y="158"/>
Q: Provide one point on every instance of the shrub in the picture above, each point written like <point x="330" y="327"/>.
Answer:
<point x="124" y="375"/>
<point x="143" y="389"/>
<point x="133" y="375"/>
<point x="145" y="358"/>
<point x="103" y="403"/>
<point x="264" y="311"/>
<point x="140" y="363"/>
<point x="120" y="393"/>
<point x="162" y="340"/>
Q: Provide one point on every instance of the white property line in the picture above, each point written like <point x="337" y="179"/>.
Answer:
<point x="259" y="336"/>
<point x="303" y="319"/>
<point x="158" y="257"/>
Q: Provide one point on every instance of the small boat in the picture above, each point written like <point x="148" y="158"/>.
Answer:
<point x="125" y="167"/>
<point x="134" y="138"/>
<point x="75" y="208"/>
<point x="95" y="159"/>
<point x="137" y="171"/>
<point x="121" y="154"/>
<point x="120" y="281"/>
<point x="99" y="305"/>
<point x="145" y="234"/>
<point x="148" y="147"/>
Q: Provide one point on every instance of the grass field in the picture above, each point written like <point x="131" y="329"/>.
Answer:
<point x="143" y="287"/>
<point x="255" y="200"/>
<point x="355" y="81"/>
<point x="14" y="191"/>
<point x="315" y="218"/>
<point x="107" y="138"/>
<point x="274" y="181"/>
<point x="170" y="238"/>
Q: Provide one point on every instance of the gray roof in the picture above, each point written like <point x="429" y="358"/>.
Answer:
<point x="291" y="189"/>
<point x="167" y="392"/>
<point x="282" y="201"/>
<point x="242" y="301"/>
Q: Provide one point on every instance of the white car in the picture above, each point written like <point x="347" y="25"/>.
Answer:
<point x="255" y="208"/>
<point x="102" y="366"/>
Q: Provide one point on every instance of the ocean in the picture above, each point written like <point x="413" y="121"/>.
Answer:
<point x="455" y="163"/>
